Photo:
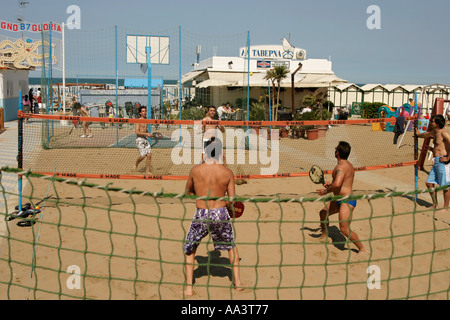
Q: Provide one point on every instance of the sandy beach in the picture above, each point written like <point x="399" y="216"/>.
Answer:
<point x="131" y="247"/>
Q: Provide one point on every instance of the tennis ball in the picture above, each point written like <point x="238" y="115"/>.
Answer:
<point x="251" y="73"/>
<point x="37" y="207"/>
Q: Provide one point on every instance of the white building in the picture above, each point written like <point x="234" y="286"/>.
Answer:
<point x="12" y="82"/>
<point x="217" y="80"/>
<point x="393" y="95"/>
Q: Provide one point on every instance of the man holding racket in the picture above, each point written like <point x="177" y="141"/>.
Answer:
<point x="211" y="179"/>
<point x="142" y="143"/>
<point x="342" y="184"/>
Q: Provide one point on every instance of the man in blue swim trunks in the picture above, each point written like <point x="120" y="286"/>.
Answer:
<point x="342" y="184"/>
<point x="440" y="172"/>
<point x="212" y="216"/>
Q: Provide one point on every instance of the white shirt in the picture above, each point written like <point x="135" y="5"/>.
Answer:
<point x="220" y="111"/>
<point x="306" y="110"/>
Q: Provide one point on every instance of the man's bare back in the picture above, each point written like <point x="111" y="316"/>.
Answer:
<point x="213" y="180"/>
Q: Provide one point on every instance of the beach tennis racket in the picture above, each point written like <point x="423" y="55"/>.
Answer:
<point x="316" y="175"/>
<point x="157" y="135"/>
<point x="238" y="208"/>
<point x="75" y="124"/>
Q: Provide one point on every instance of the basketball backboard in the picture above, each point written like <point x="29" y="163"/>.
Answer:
<point x="136" y="45"/>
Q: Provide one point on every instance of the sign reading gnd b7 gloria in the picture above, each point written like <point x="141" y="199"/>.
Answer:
<point x="284" y="51"/>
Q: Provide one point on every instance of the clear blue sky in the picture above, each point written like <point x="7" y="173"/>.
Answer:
<point x="412" y="46"/>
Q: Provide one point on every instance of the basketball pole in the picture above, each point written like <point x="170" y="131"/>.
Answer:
<point x="148" y="51"/>
<point x="63" y="70"/>
<point x="117" y="85"/>
<point x="416" y="146"/>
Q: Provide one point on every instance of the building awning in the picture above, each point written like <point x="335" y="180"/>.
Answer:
<point x="257" y="79"/>
<point x="300" y="81"/>
<point x="346" y="86"/>
<point x="214" y="83"/>
<point x="316" y="81"/>
<point x="190" y="76"/>
<point x="253" y="80"/>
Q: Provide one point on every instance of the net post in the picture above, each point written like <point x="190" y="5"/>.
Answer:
<point x="117" y="85"/>
<point x="416" y="147"/>
<point x="148" y="51"/>
<point x="20" y="149"/>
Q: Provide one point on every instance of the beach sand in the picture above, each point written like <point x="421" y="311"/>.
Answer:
<point x="131" y="247"/>
<point x="128" y="247"/>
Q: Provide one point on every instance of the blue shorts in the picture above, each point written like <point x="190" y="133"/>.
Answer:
<point x="214" y="221"/>
<point x="438" y="173"/>
<point x="351" y="202"/>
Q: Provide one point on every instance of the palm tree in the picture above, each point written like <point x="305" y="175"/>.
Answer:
<point x="270" y="76"/>
<point x="276" y="75"/>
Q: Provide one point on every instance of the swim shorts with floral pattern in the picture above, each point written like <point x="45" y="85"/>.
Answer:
<point x="214" y="221"/>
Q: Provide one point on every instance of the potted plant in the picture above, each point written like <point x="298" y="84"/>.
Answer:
<point x="297" y="131"/>
<point x="322" y="114"/>
<point x="257" y="113"/>
<point x="284" y="131"/>
<point x="311" y="131"/>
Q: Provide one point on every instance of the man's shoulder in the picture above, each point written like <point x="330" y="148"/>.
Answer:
<point x="444" y="132"/>
<point x="219" y="168"/>
<point x="345" y="166"/>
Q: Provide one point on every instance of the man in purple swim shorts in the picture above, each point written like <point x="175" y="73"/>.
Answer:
<point x="214" y="221"/>
<point x="214" y="180"/>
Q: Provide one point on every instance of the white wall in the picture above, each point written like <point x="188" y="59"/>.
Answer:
<point x="240" y="65"/>
<point x="11" y="82"/>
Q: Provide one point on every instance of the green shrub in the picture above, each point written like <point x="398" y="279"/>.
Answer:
<point x="192" y="113"/>
<point x="241" y="103"/>
<point x="257" y="111"/>
<point x="369" y="110"/>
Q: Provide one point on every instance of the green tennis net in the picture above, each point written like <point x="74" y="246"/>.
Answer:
<point x="83" y="240"/>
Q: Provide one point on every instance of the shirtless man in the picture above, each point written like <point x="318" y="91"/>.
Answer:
<point x="441" y="152"/>
<point x="214" y="180"/>
<point x="142" y="143"/>
<point x="209" y="130"/>
<point x="342" y="184"/>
